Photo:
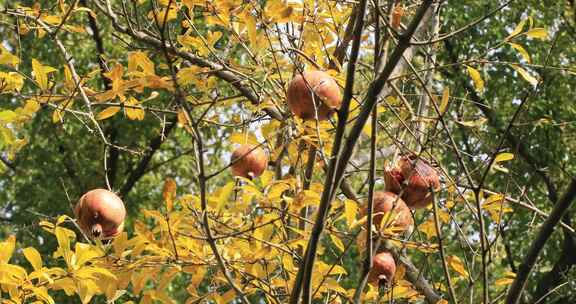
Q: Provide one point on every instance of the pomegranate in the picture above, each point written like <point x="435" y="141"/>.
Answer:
<point x="249" y="161"/>
<point x="100" y="214"/>
<point x="416" y="177"/>
<point x="386" y="202"/>
<point x="313" y="91"/>
<point x="383" y="269"/>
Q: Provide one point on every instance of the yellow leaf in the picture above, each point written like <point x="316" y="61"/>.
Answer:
<point x="517" y="30"/>
<point x="108" y="112"/>
<point x="428" y="228"/>
<point x="7" y="249"/>
<point x="507" y="279"/>
<point x="7" y="58"/>
<point x="521" y="50"/>
<point x="243" y="138"/>
<point x="164" y="14"/>
<point x="494" y="204"/>
<point x="53" y="20"/>
<point x="41" y="73"/>
<point x="538" y="33"/>
<point x="350" y="211"/>
<point x="85" y="253"/>
<point x="473" y="123"/>
<point x="337" y="242"/>
<point x="531" y="79"/>
<point x="169" y="193"/>
<point x="8" y="116"/>
<point x="133" y="109"/>
<point x="189" y="75"/>
<point x="213" y="37"/>
<point x="12" y="274"/>
<point x="475" y="75"/>
<point x="503" y="157"/>
<point x="139" y="60"/>
<point x="445" y="99"/>
<point x="66" y="284"/>
<point x="42" y="294"/>
<point x="504" y="281"/>
<point x="183" y="118"/>
<point x="224" y="195"/>
<point x="252" y="31"/>
<point x="33" y="256"/>
<point x="11" y="81"/>
<point x="457" y="265"/>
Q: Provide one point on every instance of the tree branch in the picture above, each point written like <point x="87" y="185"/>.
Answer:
<point x="140" y="169"/>
<point x="544" y="234"/>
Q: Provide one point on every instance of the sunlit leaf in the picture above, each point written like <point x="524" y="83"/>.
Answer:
<point x="7" y="58"/>
<point x="456" y="264"/>
<point x="41" y="73"/>
<point x="108" y="112"/>
<point x="445" y="99"/>
<point x="133" y="109"/>
<point x="521" y="50"/>
<point x="7" y="246"/>
<point x="243" y="138"/>
<point x="225" y="194"/>
<point x="169" y="193"/>
<point x="476" y="78"/>
<point x="350" y="211"/>
<point x="337" y="242"/>
<point x="11" y="81"/>
<point x="42" y="294"/>
<point x="525" y="74"/>
<point x="33" y="257"/>
<point x="538" y="33"/>
<point x="517" y="30"/>
<point x="501" y="157"/>
<point x="507" y="279"/>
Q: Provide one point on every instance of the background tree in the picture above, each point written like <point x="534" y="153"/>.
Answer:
<point x="151" y="98"/>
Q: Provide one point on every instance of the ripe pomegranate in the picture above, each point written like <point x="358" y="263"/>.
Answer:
<point x="310" y="87"/>
<point x="249" y="161"/>
<point x="100" y="214"/>
<point x="416" y="177"/>
<point x="386" y="202"/>
<point x="383" y="269"/>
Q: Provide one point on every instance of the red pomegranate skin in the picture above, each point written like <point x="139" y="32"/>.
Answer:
<point x="100" y="214"/>
<point x="393" y="178"/>
<point x="420" y="178"/>
<point x="385" y="201"/>
<point x="383" y="269"/>
<point x="249" y="161"/>
<point x="310" y="87"/>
